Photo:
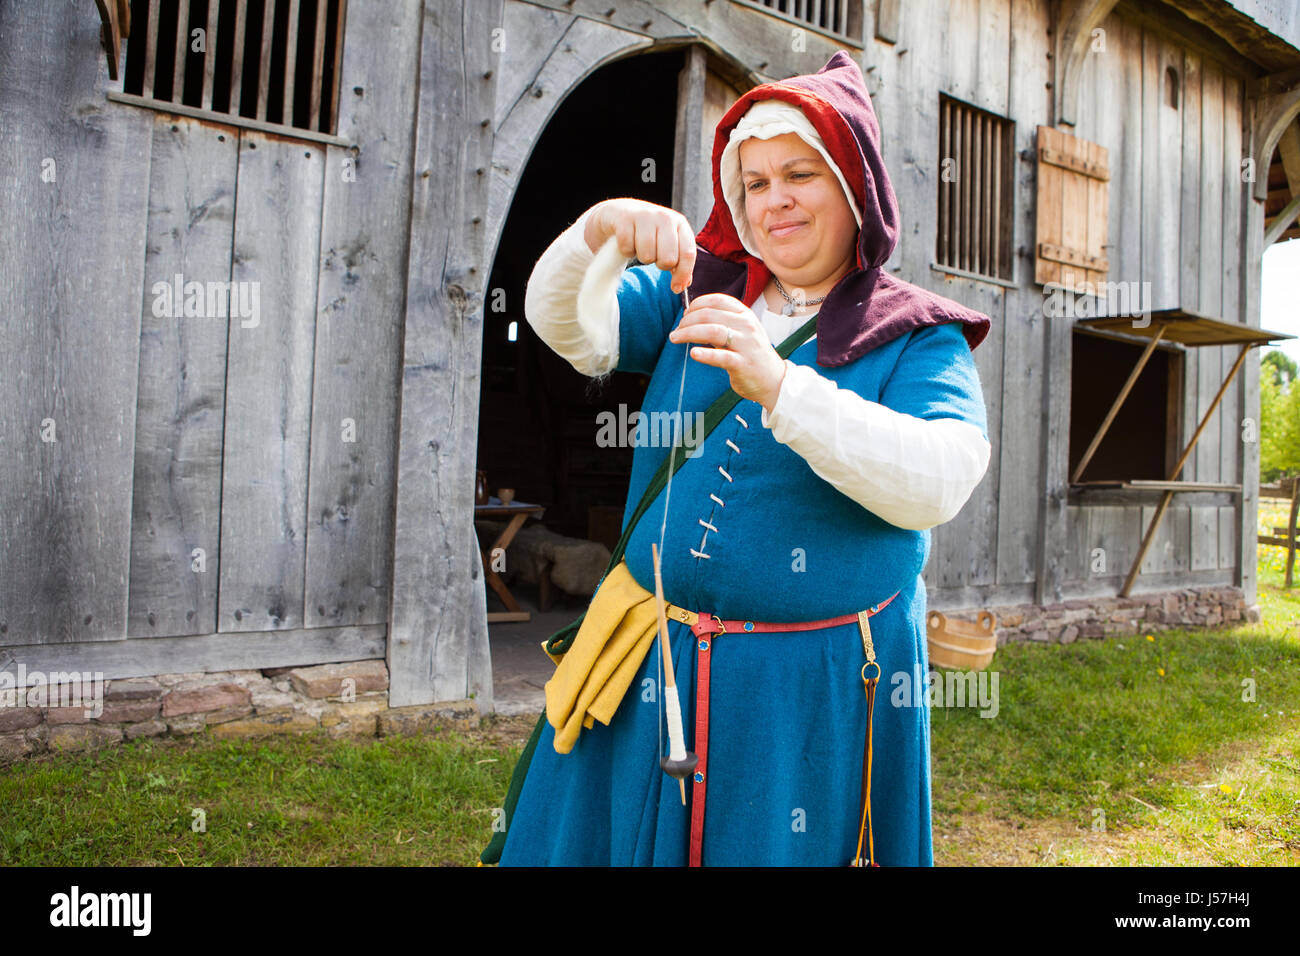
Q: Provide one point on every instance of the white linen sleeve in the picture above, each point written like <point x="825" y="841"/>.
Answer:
<point x="551" y="303"/>
<point x="914" y="473"/>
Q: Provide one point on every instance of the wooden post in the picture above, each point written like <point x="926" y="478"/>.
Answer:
<point x="264" y="63"/>
<point x="1119" y="400"/>
<point x="318" y="63"/>
<point x="151" y="50"/>
<point x="236" y="58"/>
<point x="182" y="50"/>
<point x="438" y="642"/>
<point x="290" y="64"/>
<point x="1291" y="531"/>
<point x="209" y="53"/>
<point x="692" y="193"/>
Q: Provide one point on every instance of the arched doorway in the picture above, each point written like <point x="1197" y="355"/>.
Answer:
<point x="619" y="132"/>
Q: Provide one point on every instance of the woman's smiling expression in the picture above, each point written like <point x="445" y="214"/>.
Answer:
<point x="798" y="214"/>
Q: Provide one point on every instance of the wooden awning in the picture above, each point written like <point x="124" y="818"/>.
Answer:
<point x="1185" y="327"/>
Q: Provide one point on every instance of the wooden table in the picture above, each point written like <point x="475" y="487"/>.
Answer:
<point x="518" y="512"/>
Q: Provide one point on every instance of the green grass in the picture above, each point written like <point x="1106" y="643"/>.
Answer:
<point x="1178" y="765"/>
<point x="1095" y="733"/>
<point x="304" y="801"/>
<point x="1143" y="750"/>
<point x="1083" y="725"/>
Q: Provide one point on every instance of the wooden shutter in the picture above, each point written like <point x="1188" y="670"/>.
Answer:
<point x="1073" y="210"/>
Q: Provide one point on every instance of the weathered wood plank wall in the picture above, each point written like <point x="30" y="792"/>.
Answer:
<point x="360" y="310"/>
<point x="963" y="49"/>
<point x="268" y="385"/>
<point x="972" y="40"/>
<point x="75" y="187"/>
<point x="1176" y="207"/>
<point x="1023" y="512"/>
<point x="295" y="533"/>
<point x="180" y="411"/>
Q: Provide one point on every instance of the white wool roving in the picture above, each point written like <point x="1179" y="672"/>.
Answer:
<point x="599" y="286"/>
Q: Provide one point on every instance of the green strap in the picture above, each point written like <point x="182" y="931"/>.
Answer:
<point x="561" y="640"/>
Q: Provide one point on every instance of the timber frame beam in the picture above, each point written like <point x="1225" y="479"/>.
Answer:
<point x="690" y="192"/>
<point x="1075" y="21"/>
<point x="1275" y="105"/>
<point x="438" y="639"/>
<point x="1288" y="148"/>
<point x="1283" y="221"/>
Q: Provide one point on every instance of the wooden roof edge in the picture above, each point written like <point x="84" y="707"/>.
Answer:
<point x="1233" y="333"/>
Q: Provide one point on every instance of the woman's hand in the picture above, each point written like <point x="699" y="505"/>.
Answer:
<point x="650" y="233"/>
<point x="755" y="368"/>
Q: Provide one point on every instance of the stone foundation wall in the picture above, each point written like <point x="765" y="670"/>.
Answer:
<point x="341" y="700"/>
<point x="351" y="699"/>
<point x="1101" y="617"/>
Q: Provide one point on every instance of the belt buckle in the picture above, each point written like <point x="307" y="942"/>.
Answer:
<point x="722" y="628"/>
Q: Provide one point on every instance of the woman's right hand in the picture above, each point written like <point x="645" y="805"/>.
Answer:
<point x="650" y="233"/>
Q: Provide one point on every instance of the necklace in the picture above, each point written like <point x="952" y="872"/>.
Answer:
<point x="789" y="307"/>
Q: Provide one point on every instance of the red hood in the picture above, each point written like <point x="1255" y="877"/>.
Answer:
<point x="868" y="306"/>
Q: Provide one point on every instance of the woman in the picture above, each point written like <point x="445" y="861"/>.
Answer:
<point x="808" y="504"/>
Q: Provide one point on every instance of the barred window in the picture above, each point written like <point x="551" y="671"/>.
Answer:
<point x="263" y="63"/>
<point x="841" y="18"/>
<point x="976" y="152"/>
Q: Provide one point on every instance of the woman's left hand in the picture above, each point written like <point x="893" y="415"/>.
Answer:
<point x="755" y="368"/>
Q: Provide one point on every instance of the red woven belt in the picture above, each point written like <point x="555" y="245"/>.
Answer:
<point x="705" y="628"/>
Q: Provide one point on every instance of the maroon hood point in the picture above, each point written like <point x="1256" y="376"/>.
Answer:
<point x="867" y="307"/>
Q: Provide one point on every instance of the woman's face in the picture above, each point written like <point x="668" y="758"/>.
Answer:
<point x="801" y="220"/>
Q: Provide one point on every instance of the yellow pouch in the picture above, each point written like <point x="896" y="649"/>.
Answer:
<point x="596" y="671"/>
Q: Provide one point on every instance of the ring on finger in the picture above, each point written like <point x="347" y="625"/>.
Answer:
<point x="727" y="344"/>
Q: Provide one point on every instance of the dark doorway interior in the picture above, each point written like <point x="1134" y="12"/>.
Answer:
<point x="537" y="426"/>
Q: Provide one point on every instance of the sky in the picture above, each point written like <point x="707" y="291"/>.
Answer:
<point x="1280" y="299"/>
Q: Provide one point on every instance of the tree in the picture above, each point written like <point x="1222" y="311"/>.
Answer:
<point x="1279" y="417"/>
<point x="1281" y="365"/>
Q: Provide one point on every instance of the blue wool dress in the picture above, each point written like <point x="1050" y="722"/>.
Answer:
<point x="787" y="709"/>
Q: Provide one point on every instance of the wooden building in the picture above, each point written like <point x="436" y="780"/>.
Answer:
<point x="262" y="281"/>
